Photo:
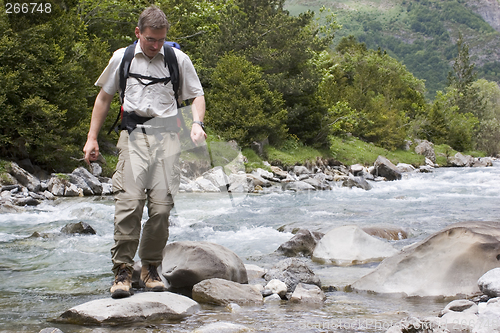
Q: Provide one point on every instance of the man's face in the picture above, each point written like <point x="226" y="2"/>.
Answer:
<point x="151" y="40"/>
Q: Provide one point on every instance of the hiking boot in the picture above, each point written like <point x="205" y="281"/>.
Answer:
<point x="122" y="287"/>
<point x="151" y="278"/>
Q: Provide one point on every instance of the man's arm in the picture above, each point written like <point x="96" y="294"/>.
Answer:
<point x="99" y="113"/>
<point x="198" y="135"/>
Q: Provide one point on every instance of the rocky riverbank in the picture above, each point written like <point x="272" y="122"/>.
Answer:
<point x="20" y="188"/>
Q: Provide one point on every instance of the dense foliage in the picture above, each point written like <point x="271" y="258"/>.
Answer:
<point x="420" y="34"/>
<point x="266" y="74"/>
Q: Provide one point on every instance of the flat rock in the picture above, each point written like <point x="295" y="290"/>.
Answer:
<point x="224" y="292"/>
<point x="139" y="307"/>
<point x="447" y="263"/>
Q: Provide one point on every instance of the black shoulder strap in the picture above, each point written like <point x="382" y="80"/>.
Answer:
<point x="173" y="67"/>
<point x="125" y="68"/>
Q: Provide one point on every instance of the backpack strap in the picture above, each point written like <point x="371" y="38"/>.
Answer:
<point x="173" y="67"/>
<point x="125" y="69"/>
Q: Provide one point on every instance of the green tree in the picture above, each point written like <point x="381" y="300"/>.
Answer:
<point x="282" y="45"/>
<point x="46" y="88"/>
<point x="447" y="125"/>
<point x="245" y="109"/>
<point x="462" y="78"/>
<point x="488" y="137"/>
<point x="382" y="91"/>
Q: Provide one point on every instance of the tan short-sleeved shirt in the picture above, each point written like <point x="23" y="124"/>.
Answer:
<point x="155" y="100"/>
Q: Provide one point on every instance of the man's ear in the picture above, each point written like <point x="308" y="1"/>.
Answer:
<point x="137" y="32"/>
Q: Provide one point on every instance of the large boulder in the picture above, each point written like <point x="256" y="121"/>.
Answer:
<point x="223" y="292"/>
<point x="385" y="168"/>
<point x="24" y="177"/>
<point x="350" y="245"/>
<point x="140" y="307"/>
<point x="92" y="181"/>
<point x="426" y="149"/>
<point x="447" y="263"/>
<point x="460" y="160"/>
<point x="187" y="263"/>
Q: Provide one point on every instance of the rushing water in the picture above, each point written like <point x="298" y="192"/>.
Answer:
<point x="43" y="277"/>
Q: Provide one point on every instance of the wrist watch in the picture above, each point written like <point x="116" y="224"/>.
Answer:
<point x="199" y="123"/>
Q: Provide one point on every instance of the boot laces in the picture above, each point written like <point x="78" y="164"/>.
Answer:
<point x="153" y="273"/>
<point x="123" y="275"/>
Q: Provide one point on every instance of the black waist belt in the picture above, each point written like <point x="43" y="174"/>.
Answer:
<point x="131" y="121"/>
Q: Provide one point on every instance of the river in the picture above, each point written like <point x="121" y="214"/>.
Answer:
<point x="43" y="277"/>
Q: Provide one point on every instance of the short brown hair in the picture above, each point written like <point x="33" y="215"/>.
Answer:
<point x="153" y="17"/>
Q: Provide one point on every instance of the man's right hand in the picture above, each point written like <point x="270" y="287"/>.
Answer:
<point x="91" y="150"/>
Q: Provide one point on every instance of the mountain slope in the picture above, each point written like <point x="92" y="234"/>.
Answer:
<point x="421" y="34"/>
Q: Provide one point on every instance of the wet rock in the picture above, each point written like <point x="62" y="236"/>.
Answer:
<point x="81" y="228"/>
<point x="276" y="287"/>
<point x="80" y="183"/>
<point x="460" y="160"/>
<point x="298" y="186"/>
<point x="292" y="271"/>
<point x="489" y="283"/>
<point x="25" y="201"/>
<point x="140" y="307"/>
<point x="223" y="292"/>
<point x="404" y="167"/>
<point x="308" y="293"/>
<point x="222" y="327"/>
<point x="459" y="305"/>
<point x="386" y="232"/>
<point x="92" y="181"/>
<point x="385" y="168"/>
<point x="350" y="245"/>
<point x="303" y="243"/>
<point x="57" y="185"/>
<point x="359" y="182"/>
<point x="187" y="263"/>
<point x="447" y="263"/>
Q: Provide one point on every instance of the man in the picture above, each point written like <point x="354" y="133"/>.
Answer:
<point x="148" y="168"/>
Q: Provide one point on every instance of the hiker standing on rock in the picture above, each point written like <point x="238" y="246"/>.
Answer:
<point x="151" y="82"/>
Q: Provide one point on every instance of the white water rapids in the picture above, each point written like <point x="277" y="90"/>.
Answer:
<point x="43" y="277"/>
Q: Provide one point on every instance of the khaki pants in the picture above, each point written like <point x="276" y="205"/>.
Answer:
<point x="147" y="169"/>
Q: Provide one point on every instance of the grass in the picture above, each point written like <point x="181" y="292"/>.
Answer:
<point x="354" y="151"/>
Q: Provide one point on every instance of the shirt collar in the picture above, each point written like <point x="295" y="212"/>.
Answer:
<point x="139" y="50"/>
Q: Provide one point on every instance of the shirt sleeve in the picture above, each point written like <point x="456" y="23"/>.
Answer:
<point x="109" y="80"/>
<point x="189" y="85"/>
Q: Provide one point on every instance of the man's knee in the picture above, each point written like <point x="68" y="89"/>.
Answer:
<point x="160" y="210"/>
